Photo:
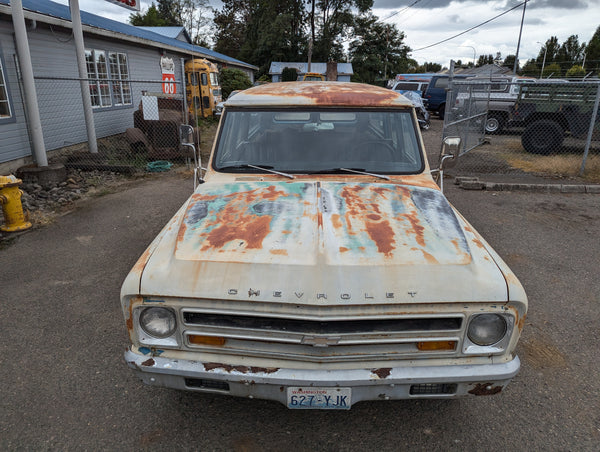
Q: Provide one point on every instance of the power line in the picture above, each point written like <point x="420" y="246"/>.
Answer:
<point x="472" y="28"/>
<point x="402" y="10"/>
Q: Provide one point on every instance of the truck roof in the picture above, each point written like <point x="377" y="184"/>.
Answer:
<point x="325" y="94"/>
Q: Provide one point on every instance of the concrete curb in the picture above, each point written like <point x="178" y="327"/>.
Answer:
<point x="473" y="183"/>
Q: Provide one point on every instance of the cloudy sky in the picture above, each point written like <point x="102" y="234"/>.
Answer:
<point x="425" y="22"/>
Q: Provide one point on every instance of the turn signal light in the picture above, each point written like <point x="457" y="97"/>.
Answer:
<point x="436" y="345"/>
<point x="206" y="340"/>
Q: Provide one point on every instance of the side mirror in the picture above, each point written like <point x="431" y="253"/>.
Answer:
<point x="449" y="152"/>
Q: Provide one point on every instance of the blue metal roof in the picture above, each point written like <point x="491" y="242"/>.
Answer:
<point x="59" y="11"/>
<point x="169" y="32"/>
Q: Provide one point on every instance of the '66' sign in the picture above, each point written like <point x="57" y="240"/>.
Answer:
<point x="168" y="75"/>
<point x="133" y="5"/>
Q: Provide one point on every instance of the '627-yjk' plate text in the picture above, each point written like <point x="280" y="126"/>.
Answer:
<point x="319" y="398"/>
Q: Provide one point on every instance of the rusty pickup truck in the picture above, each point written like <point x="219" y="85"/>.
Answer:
<point x="319" y="264"/>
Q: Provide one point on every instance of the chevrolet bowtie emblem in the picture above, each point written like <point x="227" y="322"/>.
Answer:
<point x="319" y="341"/>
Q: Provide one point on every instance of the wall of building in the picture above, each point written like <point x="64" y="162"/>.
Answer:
<point x="61" y="111"/>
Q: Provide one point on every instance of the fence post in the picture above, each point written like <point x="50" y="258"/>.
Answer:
<point x="590" y="131"/>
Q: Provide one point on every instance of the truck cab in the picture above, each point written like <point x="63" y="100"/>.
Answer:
<point x="320" y="265"/>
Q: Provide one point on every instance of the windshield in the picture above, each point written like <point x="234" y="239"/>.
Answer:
<point x="319" y="140"/>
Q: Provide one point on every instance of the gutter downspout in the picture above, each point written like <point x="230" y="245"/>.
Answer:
<point x="31" y="101"/>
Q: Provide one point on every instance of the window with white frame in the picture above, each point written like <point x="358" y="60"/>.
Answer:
<point x="108" y="77"/>
<point x="5" y="110"/>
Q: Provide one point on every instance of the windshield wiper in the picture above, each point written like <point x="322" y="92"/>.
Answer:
<point x="357" y="171"/>
<point x="269" y="169"/>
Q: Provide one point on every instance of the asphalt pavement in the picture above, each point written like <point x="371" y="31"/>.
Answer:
<point x="65" y="385"/>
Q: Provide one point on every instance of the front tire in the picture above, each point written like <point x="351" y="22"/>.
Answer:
<point x="441" y="111"/>
<point x="494" y="124"/>
<point x="543" y="137"/>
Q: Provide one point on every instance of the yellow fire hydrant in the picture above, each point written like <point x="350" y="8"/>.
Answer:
<point x="10" y="198"/>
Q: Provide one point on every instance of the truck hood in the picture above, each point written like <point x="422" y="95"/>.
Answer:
<point x="329" y="241"/>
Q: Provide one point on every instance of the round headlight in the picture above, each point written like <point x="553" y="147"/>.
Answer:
<point x="487" y="329"/>
<point x="158" y="322"/>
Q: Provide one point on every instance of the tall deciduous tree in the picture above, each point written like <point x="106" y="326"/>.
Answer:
<point x="378" y="50"/>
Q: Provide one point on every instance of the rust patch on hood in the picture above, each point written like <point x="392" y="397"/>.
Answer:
<point x="485" y="389"/>
<point x="241" y="369"/>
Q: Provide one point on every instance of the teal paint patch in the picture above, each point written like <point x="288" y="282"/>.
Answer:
<point x="145" y="350"/>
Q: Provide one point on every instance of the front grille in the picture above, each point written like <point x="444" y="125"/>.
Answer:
<point x="328" y="340"/>
<point x="320" y="327"/>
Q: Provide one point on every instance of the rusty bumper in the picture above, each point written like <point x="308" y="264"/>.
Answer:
<point x="367" y="384"/>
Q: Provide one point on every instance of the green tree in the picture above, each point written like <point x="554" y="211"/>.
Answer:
<point x="233" y="79"/>
<point x="570" y="52"/>
<point x="334" y="21"/>
<point x="485" y="59"/>
<point x="193" y="15"/>
<point x="150" y="18"/>
<point x="231" y="24"/>
<point x="575" y="72"/>
<point x="509" y="62"/>
<point x="289" y="74"/>
<point x="553" y="70"/>
<point x="531" y="68"/>
<point x="592" y="53"/>
<point x="377" y="51"/>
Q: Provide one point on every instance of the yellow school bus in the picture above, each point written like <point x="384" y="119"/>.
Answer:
<point x="202" y="87"/>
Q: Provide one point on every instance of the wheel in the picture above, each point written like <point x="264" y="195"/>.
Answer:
<point x="494" y="123"/>
<point x="543" y="137"/>
<point x="425" y="124"/>
<point x="441" y="111"/>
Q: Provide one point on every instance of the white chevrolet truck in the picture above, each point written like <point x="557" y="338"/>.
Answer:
<point x="319" y="264"/>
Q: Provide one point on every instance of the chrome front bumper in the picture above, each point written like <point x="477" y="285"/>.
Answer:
<point x="366" y="384"/>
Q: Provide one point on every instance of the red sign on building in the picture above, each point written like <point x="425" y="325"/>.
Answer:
<point x="133" y="5"/>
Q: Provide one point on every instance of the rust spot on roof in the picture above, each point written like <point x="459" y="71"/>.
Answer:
<point x="320" y="93"/>
<point x="343" y="249"/>
<point x="279" y="252"/>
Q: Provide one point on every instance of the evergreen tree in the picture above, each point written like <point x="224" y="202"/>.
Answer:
<point x="150" y="18"/>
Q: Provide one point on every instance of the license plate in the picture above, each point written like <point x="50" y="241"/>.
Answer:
<point x="319" y="398"/>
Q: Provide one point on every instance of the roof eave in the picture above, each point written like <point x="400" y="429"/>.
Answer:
<point x="32" y="15"/>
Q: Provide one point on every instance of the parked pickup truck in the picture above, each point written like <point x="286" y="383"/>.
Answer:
<point x="319" y="264"/>
<point x="548" y="111"/>
<point x="497" y="95"/>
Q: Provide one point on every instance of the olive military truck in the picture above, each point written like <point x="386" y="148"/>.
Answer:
<point x="550" y="111"/>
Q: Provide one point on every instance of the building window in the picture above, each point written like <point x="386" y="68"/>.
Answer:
<point x="5" y="109"/>
<point x="105" y="90"/>
<point x="119" y="75"/>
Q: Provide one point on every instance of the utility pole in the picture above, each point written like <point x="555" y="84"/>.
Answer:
<point x="31" y="102"/>
<point x="519" y="43"/>
<point x="85" y="90"/>
<point x="544" y="61"/>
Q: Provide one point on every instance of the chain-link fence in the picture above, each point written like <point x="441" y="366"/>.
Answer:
<point x="525" y="127"/>
<point x="137" y="125"/>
